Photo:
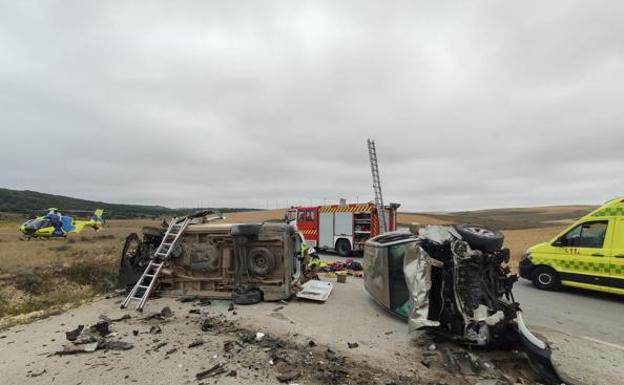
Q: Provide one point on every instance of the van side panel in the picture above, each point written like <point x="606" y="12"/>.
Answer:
<point x="616" y="262"/>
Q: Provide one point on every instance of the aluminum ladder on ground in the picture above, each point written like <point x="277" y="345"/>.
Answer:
<point x="144" y="286"/>
<point x="372" y="154"/>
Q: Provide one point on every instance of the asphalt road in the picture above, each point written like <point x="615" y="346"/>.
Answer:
<point x="598" y="317"/>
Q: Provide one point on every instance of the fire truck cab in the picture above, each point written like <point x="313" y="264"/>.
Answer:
<point x="341" y="228"/>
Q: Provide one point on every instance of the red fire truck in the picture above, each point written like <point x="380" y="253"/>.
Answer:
<point x="342" y="228"/>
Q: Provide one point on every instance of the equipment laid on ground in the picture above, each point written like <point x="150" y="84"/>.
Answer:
<point x="372" y="155"/>
<point x="343" y="227"/>
<point x="588" y="254"/>
<point x="56" y="225"/>
<point x="244" y="262"/>
<point x="144" y="286"/>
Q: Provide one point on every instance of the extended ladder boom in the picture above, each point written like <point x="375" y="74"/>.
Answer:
<point x="372" y="154"/>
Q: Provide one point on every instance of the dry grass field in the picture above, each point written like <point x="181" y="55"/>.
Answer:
<point x="45" y="276"/>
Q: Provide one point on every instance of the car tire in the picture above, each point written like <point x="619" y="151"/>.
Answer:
<point x="261" y="261"/>
<point x="343" y="247"/>
<point x="481" y="238"/>
<point x="545" y="278"/>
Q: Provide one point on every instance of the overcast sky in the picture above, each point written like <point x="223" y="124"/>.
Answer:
<point x="230" y="103"/>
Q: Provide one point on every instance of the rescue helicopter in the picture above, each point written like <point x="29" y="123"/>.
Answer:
<point x="56" y="225"/>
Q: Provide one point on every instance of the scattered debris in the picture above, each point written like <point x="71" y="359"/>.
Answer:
<point x="288" y="375"/>
<point x="101" y="328"/>
<point x="194" y="311"/>
<point x="316" y="290"/>
<point x="213" y="371"/>
<point x="115" y="345"/>
<point x="218" y="323"/>
<point x="76" y="349"/>
<point x="72" y="335"/>
<point x="259" y="336"/>
<point x="171" y="351"/>
<point x="196" y="343"/>
<point x="160" y="345"/>
<point x="231" y="307"/>
<point x="352" y="345"/>
<point x="165" y="313"/>
<point x="37" y="374"/>
<point x="155" y="329"/>
<point x="91" y="339"/>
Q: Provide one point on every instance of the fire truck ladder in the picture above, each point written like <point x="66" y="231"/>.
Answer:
<point x="372" y="154"/>
<point x="144" y="286"/>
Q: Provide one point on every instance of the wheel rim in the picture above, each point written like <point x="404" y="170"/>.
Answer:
<point x="544" y="279"/>
<point x="480" y="231"/>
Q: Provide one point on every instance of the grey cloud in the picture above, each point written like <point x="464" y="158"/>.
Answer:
<point x="473" y="105"/>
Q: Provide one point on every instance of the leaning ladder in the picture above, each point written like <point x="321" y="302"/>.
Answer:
<point x="372" y="154"/>
<point x="144" y="286"/>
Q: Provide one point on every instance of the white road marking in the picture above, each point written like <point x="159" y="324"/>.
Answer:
<point x="604" y="343"/>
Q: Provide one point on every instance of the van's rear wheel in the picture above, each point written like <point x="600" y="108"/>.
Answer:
<point x="545" y="278"/>
<point x="343" y="247"/>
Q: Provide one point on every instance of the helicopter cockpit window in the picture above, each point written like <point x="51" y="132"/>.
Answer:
<point x="39" y="223"/>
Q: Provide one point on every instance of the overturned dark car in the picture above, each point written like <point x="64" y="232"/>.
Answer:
<point x="453" y="280"/>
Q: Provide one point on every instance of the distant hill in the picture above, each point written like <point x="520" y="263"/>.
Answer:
<point x="25" y="202"/>
<point x="506" y="219"/>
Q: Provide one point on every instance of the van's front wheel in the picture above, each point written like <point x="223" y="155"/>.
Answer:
<point x="545" y="278"/>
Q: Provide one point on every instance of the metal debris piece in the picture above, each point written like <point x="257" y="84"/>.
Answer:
<point x="37" y="374"/>
<point x="115" y="345"/>
<point x="196" y="343"/>
<point x="76" y="349"/>
<point x="72" y="335"/>
<point x="316" y="290"/>
<point x="101" y="328"/>
<point x="166" y="312"/>
<point x="160" y="345"/>
<point x="215" y="370"/>
<point x="288" y="375"/>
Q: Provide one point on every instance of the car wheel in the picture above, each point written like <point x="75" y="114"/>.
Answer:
<point x="481" y="238"/>
<point x="545" y="278"/>
<point x="261" y="261"/>
<point x="343" y="247"/>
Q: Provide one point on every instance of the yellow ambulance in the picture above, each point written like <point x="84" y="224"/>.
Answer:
<point x="589" y="254"/>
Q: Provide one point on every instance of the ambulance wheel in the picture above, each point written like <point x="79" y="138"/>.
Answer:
<point x="343" y="247"/>
<point x="545" y="278"/>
